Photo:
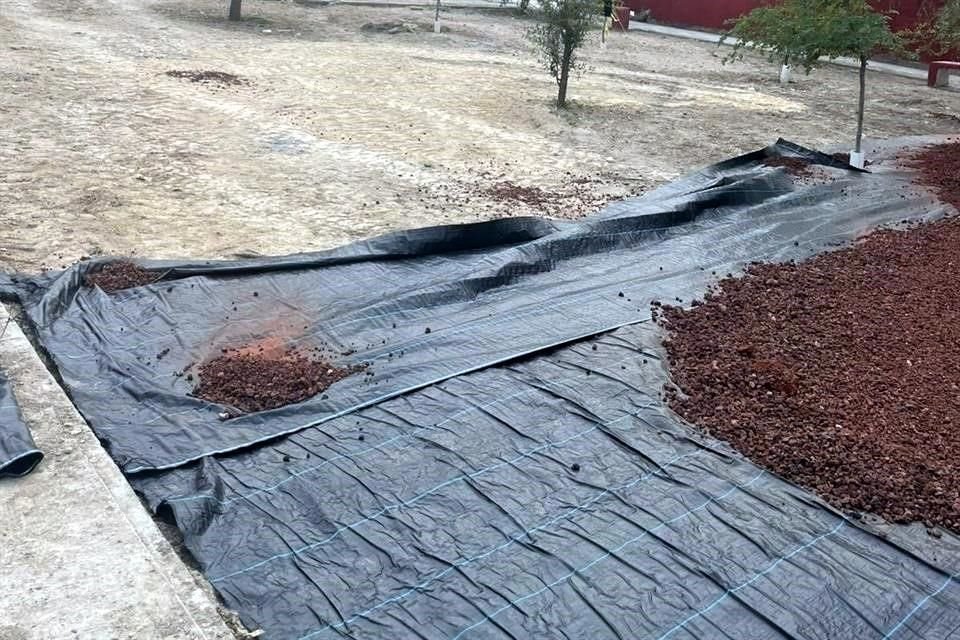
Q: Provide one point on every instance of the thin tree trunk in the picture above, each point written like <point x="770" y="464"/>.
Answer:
<point x="564" y="77"/>
<point x="863" y="95"/>
<point x="235" y="9"/>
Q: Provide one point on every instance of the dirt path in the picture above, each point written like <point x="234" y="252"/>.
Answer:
<point x="340" y="133"/>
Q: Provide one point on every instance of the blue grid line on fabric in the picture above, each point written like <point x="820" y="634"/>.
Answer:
<point x="420" y="496"/>
<point x="464" y="562"/>
<point x="919" y="606"/>
<point x="341" y="456"/>
<point x="601" y="558"/>
<point x="387" y="396"/>
<point x="756" y="577"/>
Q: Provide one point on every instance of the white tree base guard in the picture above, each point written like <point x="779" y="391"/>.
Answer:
<point x="856" y="159"/>
<point x="785" y="73"/>
<point x="436" y="26"/>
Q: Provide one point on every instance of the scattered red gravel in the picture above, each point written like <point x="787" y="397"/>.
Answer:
<point x="507" y="191"/>
<point x="120" y="275"/>
<point x="260" y="380"/>
<point x="841" y="373"/>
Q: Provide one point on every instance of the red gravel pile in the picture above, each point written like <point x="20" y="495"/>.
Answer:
<point x="939" y="168"/>
<point x="265" y="380"/>
<point x="120" y="275"/>
<point x="841" y="373"/>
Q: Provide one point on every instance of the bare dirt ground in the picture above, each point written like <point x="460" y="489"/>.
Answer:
<point x="334" y="133"/>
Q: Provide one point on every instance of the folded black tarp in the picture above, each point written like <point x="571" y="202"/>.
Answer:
<point x="18" y="454"/>
<point x="506" y="474"/>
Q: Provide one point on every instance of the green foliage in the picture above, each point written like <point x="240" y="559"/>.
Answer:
<point x="939" y="33"/>
<point x="948" y="24"/>
<point x="804" y="31"/>
<point x="562" y="30"/>
<point x="773" y="30"/>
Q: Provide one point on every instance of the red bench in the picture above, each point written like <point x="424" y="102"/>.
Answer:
<point x="939" y="74"/>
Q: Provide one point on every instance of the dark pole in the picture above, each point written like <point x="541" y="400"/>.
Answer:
<point x="863" y="93"/>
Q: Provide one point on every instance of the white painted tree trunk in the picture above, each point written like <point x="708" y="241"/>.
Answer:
<point x="785" y="73"/>
<point x="856" y="159"/>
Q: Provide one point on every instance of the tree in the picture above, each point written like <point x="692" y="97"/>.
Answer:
<point x="806" y="32"/>
<point x="938" y="34"/>
<point x="235" y="9"/>
<point x="561" y="32"/>
<point x="775" y="30"/>
<point x="948" y="25"/>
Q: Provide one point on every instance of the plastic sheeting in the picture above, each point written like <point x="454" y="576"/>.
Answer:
<point x="503" y="475"/>
<point x="487" y="293"/>
<point x="18" y="454"/>
<point x="553" y="498"/>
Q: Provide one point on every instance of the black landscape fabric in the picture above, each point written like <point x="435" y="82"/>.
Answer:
<point x="513" y="472"/>
<point x="18" y="454"/>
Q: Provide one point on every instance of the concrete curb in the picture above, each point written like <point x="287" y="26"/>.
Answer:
<point x="80" y="556"/>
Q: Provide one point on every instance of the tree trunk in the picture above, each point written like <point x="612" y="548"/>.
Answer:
<point x="863" y="94"/>
<point x="564" y="77"/>
<point x="235" y="9"/>
<point x="524" y="5"/>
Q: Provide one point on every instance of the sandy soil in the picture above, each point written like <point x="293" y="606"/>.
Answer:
<point x="338" y="133"/>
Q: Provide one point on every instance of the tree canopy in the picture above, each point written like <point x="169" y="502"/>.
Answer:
<point x="939" y="33"/>
<point x="805" y="31"/>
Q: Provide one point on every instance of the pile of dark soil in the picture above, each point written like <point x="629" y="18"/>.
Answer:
<point x="213" y="77"/>
<point x="257" y="381"/>
<point x="508" y="191"/>
<point x="841" y="157"/>
<point x="939" y="169"/>
<point x="940" y="115"/>
<point x="120" y="275"/>
<point x="841" y="373"/>
<point x="391" y="27"/>
<point x="845" y="159"/>
<point x="794" y="166"/>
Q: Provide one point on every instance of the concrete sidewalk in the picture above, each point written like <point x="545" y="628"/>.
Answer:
<point x="79" y="555"/>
